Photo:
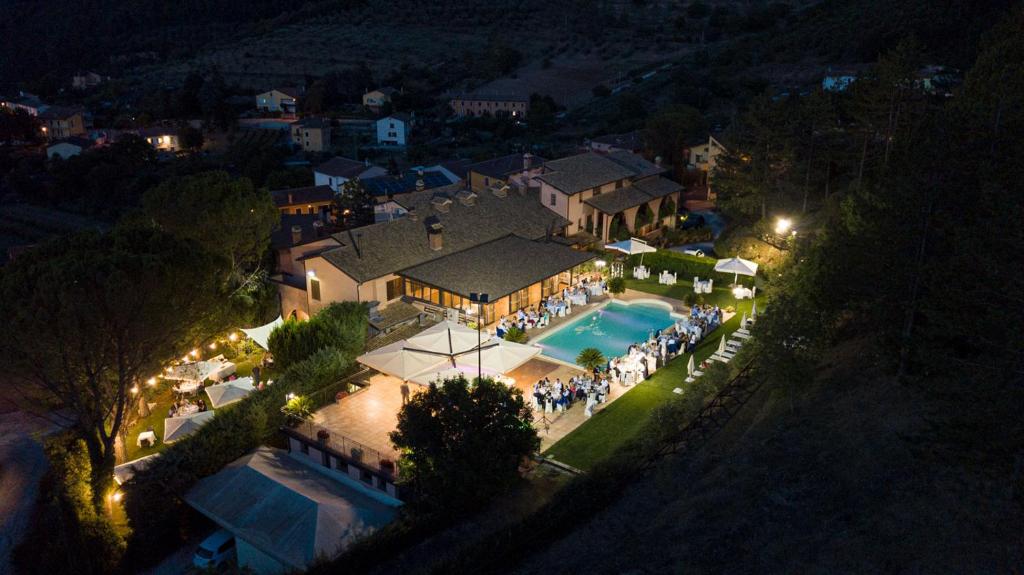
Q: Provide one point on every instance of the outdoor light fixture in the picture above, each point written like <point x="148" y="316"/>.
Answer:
<point x="232" y="337"/>
<point x="184" y="359"/>
<point x="289" y="397"/>
<point x="194" y="353"/>
<point x="117" y="496"/>
<point x="168" y="369"/>
<point x="151" y="381"/>
<point x="213" y="345"/>
<point x="135" y="389"/>
<point x="782" y="225"/>
<point x="311" y="273"/>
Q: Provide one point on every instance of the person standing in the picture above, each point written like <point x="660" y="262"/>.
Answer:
<point x="405" y="393"/>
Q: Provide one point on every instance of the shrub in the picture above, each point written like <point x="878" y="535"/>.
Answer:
<point x="514" y="334"/>
<point x="340" y="326"/>
<point x="299" y="408"/>
<point x="617" y="285"/>
<point x="591" y="358"/>
<point x="686" y="266"/>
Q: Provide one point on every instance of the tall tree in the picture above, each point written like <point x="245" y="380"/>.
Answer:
<point x="354" y="204"/>
<point x="90" y="316"/>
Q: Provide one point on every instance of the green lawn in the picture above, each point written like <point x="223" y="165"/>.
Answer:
<point x="614" y="425"/>
<point x="164" y="397"/>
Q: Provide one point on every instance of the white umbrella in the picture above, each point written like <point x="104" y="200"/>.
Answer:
<point x="743" y="322"/>
<point x="690" y="366"/>
<point x="753" y="310"/>
<point x="736" y="266"/>
<point x="261" y="334"/>
<point x="445" y="373"/>
<point x="499" y="356"/>
<point x="176" y="428"/>
<point x="229" y="392"/>
<point x="403" y="362"/>
<point x="721" y="345"/>
<point x="447" y="338"/>
<point x="632" y="246"/>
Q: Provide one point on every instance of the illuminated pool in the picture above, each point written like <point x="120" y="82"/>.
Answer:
<point x="611" y="329"/>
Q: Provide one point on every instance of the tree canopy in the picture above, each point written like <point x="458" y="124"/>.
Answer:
<point x="463" y="442"/>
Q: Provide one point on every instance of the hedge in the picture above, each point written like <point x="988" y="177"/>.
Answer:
<point x="158" y="516"/>
<point x="685" y="265"/>
<point x="337" y="326"/>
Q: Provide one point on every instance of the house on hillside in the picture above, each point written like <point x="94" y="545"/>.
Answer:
<point x="86" y="80"/>
<point x="286" y="512"/>
<point x="704" y="157"/>
<point x="510" y="170"/>
<point x="29" y="103"/>
<point x="312" y="134"/>
<point x="634" y="141"/>
<point x="484" y="105"/>
<point x="448" y="245"/>
<point x="338" y="170"/>
<point x="284" y="100"/>
<point x="296" y="236"/>
<point x="304" y="200"/>
<point x="65" y="149"/>
<point x="609" y="196"/>
<point x="393" y="130"/>
<point x="163" y="138"/>
<point x="375" y="100"/>
<point x="60" y="122"/>
<point x="838" y="80"/>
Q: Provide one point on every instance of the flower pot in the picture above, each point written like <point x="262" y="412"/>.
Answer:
<point x="323" y="435"/>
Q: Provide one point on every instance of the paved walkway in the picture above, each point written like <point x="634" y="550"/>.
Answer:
<point x="368" y="415"/>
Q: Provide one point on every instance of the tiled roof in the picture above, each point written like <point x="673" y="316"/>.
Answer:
<point x="315" y="123"/>
<point x="485" y="268"/>
<point x="640" y="167"/>
<point x="639" y="192"/>
<point x="503" y="166"/>
<point x="282" y="236"/>
<point x="583" y="171"/>
<point x="304" y="195"/>
<point x="390" y="185"/>
<point x="387" y="247"/>
<point x="342" y="167"/>
<point x="629" y="141"/>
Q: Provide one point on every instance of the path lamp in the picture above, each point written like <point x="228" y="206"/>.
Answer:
<point x="479" y="299"/>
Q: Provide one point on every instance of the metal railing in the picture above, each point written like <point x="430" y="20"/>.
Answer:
<point x="348" y="449"/>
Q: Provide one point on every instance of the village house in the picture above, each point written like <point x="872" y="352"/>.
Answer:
<point x="510" y="170"/>
<point x="704" y="157"/>
<point x="497" y="106"/>
<point x="312" y="134"/>
<point x="284" y="100"/>
<point x="86" y="80"/>
<point x="375" y="100"/>
<point x="336" y="171"/>
<point x="304" y="200"/>
<point x="60" y="122"/>
<point x="65" y="149"/>
<point x="163" y="138"/>
<point x="393" y="130"/>
<point x="450" y="244"/>
<point x="634" y="141"/>
<point x="609" y="196"/>
<point x="29" y="103"/>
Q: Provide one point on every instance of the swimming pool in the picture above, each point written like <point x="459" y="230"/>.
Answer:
<point x="611" y="329"/>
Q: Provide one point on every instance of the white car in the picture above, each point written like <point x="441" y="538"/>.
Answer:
<point x="215" y="550"/>
<point x="698" y="253"/>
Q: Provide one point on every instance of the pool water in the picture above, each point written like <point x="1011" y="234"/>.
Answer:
<point x="611" y="329"/>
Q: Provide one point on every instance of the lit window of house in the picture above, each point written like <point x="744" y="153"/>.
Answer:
<point x="314" y="289"/>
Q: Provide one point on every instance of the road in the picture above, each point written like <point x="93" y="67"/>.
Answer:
<point x="22" y="464"/>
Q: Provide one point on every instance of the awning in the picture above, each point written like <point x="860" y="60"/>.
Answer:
<point x="261" y="334"/>
<point x="176" y="428"/>
<point x="229" y="392"/>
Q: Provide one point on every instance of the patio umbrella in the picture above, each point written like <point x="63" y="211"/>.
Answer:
<point x="446" y="338"/>
<point x="403" y="362"/>
<point x="743" y="322"/>
<point x="261" y="334"/>
<point x="736" y="266"/>
<point x="445" y="373"/>
<point x="753" y="310"/>
<point x="229" y="392"/>
<point x="499" y="356"/>
<point x="176" y="428"/>
<point x="721" y="345"/>
<point x="690" y="367"/>
<point x="632" y="246"/>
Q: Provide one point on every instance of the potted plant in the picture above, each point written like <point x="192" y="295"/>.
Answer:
<point x="591" y="358"/>
<point x="356" y="453"/>
<point x="323" y="435"/>
<point x="387" y="466"/>
<point x="298" y="409"/>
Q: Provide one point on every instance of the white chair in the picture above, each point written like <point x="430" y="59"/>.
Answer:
<point x="710" y="286"/>
<point x="670" y="279"/>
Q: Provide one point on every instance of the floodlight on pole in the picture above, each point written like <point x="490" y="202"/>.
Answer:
<point x="782" y="225"/>
<point x="479" y="299"/>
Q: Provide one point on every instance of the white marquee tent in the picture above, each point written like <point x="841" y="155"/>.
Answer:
<point x="446" y="338"/>
<point x="737" y="267"/>
<point x="176" y="428"/>
<point x="229" y="392"/>
<point x="500" y="356"/>
<point x="402" y="362"/>
<point x="261" y="334"/>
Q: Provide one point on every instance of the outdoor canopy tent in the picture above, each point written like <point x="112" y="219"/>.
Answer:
<point x="737" y="267"/>
<point x="402" y="362"/>
<point x="229" y="392"/>
<point x="446" y="338"/>
<point x="447" y="372"/>
<point x="176" y="428"/>
<point x="500" y="356"/>
<point x="261" y="334"/>
<point x="632" y="246"/>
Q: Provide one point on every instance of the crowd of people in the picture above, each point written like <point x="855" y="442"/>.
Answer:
<point x="552" y="306"/>
<point x="183" y="407"/>
<point x="551" y="396"/>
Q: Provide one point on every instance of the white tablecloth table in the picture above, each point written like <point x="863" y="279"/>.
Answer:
<point x="188" y="387"/>
<point x="187" y="410"/>
<point x="578" y="299"/>
<point x="146" y="436"/>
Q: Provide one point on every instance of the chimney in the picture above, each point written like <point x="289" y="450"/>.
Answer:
<point x="318" y="228"/>
<point x="420" y="184"/>
<point x="466" y="198"/>
<point x="657" y="161"/>
<point x="291" y="198"/>
<point x="527" y="161"/>
<point x="435" y="236"/>
<point x="411" y="214"/>
<point x="296" y="234"/>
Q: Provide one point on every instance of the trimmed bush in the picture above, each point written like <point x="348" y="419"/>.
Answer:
<point x="617" y="285"/>
<point x="340" y="325"/>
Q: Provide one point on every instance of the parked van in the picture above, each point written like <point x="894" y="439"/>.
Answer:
<point x="215" y="550"/>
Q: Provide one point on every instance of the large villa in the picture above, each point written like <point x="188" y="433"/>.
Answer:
<point x="449" y="245"/>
